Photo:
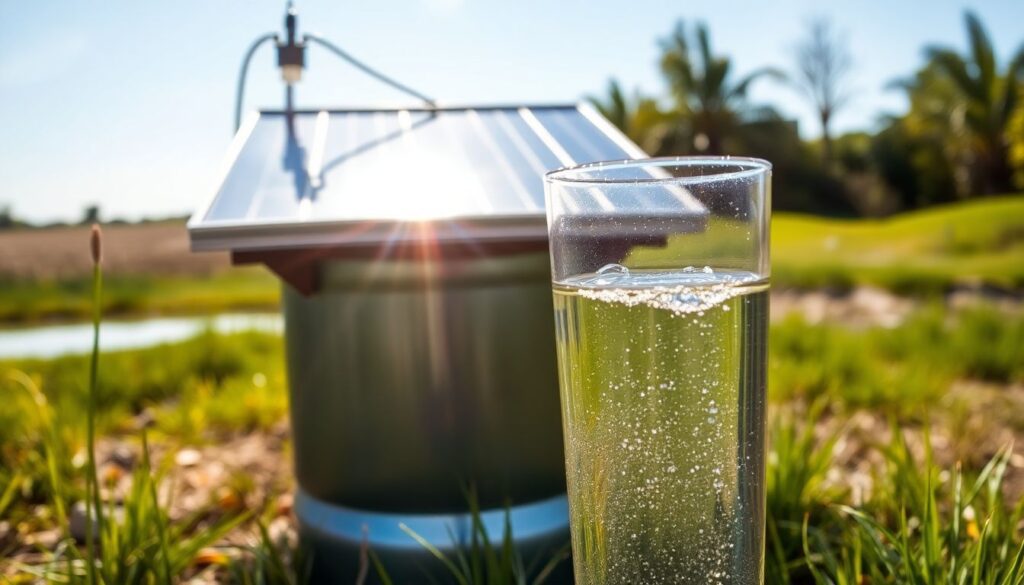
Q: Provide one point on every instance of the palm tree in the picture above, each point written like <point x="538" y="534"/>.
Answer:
<point x="700" y="84"/>
<point x="933" y="138"/>
<point x="642" y="119"/>
<point x="1016" y="132"/>
<point x="615" y="108"/>
<point x="987" y="100"/>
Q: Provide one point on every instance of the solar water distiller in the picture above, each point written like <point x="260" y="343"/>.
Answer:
<point x="412" y="247"/>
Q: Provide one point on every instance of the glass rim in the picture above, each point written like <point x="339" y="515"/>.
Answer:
<point x="747" y="167"/>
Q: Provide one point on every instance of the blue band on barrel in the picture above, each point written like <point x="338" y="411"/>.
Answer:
<point x="542" y="518"/>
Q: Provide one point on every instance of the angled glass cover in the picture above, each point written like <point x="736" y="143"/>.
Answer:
<point x="323" y="177"/>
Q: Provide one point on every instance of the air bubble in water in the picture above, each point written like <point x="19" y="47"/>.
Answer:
<point x="613" y="269"/>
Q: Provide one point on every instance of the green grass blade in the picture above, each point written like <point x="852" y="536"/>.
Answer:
<point x="979" y="554"/>
<point x="953" y="540"/>
<point x="12" y="488"/>
<point x="819" y="577"/>
<point x="378" y="566"/>
<point x="276" y="563"/>
<point x="561" y="555"/>
<point x="930" y="532"/>
<point x="1015" y="574"/>
<point x="437" y="553"/>
<point x="160" y="521"/>
<point x="507" y="564"/>
<point x="778" y="554"/>
<point x="468" y="561"/>
<point x="92" y="506"/>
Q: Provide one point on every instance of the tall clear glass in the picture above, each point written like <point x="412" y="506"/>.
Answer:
<point x="660" y="276"/>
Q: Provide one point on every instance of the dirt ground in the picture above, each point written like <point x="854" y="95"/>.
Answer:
<point x="63" y="252"/>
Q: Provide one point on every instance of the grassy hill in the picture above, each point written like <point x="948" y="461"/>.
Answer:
<point x="975" y="242"/>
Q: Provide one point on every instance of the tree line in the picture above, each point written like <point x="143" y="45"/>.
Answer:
<point x="962" y="136"/>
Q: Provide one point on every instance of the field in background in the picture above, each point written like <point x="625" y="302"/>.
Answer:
<point x="60" y="254"/>
<point x="975" y="243"/>
<point x="149" y="270"/>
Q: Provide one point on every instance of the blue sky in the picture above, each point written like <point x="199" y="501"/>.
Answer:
<point x="129" y="104"/>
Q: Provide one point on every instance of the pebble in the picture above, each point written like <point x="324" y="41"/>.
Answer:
<point x="188" y="457"/>
<point x="122" y="456"/>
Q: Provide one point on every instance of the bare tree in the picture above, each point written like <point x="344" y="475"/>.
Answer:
<point x="823" y="67"/>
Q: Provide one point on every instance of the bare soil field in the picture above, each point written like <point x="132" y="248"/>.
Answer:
<point x="160" y="248"/>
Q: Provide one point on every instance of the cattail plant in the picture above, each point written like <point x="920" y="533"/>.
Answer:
<point x="93" y="507"/>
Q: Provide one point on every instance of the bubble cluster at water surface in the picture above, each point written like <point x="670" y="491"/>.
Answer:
<point x="689" y="290"/>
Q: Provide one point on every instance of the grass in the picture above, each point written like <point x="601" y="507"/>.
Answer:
<point x="134" y="542"/>
<point x="239" y="289"/>
<point x="486" y="559"/>
<point x="920" y="524"/>
<point x="216" y="381"/>
<point x="923" y="532"/>
<point x="900" y="370"/>
<point x="194" y="392"/>
<point x="215" y="385"/>
<point x="976" y="242"/>
<point x="923" y="253"/>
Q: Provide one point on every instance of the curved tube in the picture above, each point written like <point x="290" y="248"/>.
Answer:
<point x="241" y="75"/>
<point x="369" y="70"/>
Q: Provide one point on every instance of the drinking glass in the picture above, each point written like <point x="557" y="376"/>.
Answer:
<point x="660" y="277"/>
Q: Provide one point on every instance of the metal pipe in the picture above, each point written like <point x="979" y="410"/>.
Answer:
<point x="369" y="70"/>
<point x="240" y="91"/>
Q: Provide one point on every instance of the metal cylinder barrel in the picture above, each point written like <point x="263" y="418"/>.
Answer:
<point x="414" y="383"/>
